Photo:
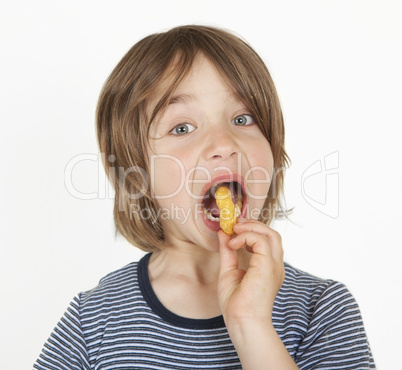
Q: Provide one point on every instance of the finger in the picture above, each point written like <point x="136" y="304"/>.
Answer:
<point x="257" y="243"/>
<point x="273" y="237"/>
<point x="260" y="246"/>
<point x="261" y="263"/>
<point x="228" y="256"/>
<point x="255" y="226"/>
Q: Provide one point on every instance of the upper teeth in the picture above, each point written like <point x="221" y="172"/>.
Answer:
<point x="235" y="185"/>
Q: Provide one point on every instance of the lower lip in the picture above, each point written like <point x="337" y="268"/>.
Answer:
<point x="213" y="225"/>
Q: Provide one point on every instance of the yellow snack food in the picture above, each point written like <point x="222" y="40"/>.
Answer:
<point x="227" y="210"/>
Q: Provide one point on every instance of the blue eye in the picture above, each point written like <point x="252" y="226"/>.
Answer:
<point x="182" y="129"/>
<point x="243" y="120"/>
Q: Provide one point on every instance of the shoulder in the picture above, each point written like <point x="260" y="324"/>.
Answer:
<point x="311" y="295"/>
<point x="313" y="289"/>
<point x="122" y="275"/>
<point x="305" y="301"/>
<point x="84" y="323"/>
<point x="303" y="286"/>
<point x="320" y="322"/>
<point x="295" y="276"/>
<point x="116" y="284"/>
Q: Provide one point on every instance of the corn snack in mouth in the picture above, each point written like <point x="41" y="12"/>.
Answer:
<point x="227" y="211"/>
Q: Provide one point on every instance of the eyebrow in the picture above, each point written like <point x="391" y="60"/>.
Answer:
<point x="186" y="98"/>
<point x="181" y="99"/>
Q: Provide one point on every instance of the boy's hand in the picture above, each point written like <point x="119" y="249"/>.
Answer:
<point x="248" y="296"/>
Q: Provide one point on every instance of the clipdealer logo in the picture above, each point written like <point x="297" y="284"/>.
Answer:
<point x="320" y="185"/>
<point x="319" y="181"/>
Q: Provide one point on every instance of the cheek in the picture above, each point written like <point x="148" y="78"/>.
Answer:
<point x="260" y="175"/>
<point x="167" y="176"/>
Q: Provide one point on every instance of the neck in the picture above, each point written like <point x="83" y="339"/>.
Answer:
<point x="192" y="263"/>
<point x="185" y="279"/>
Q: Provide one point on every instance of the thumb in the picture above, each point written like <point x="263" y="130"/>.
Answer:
<point x="228" y="256"/>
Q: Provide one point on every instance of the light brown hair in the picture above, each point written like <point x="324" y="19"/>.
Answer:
<point x="123" y="123"/>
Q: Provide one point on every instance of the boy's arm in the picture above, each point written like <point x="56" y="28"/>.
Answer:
<point x="259" y="347"/>
<point x="247" y="298"/>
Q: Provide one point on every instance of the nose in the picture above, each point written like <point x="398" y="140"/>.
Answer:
<point x="220" y="145"/>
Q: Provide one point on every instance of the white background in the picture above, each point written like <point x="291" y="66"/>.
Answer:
<point x="337" y="67"/>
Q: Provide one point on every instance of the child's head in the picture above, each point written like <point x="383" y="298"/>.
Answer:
<point x="156" y="66"/>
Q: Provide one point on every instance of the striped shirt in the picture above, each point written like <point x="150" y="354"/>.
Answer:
<point x="121" y="324"/>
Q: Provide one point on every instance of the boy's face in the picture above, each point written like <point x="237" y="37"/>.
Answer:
<point x="206" y="136"/>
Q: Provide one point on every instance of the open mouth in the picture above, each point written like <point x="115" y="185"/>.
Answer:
<point x="209" y="205"/>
